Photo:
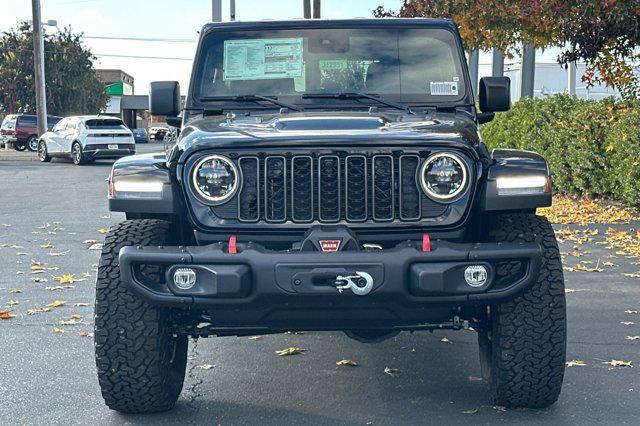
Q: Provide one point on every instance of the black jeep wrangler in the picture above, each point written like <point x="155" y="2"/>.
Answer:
<point x="329" y="175"/>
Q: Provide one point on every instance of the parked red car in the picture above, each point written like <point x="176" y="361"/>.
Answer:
<point x="22" y="130"/>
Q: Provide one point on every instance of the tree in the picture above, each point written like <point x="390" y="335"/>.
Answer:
<point x="72" y="86"/>
<point x="603" y="33"/>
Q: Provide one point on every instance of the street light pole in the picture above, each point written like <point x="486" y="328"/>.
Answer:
<point x="38" y="66"/>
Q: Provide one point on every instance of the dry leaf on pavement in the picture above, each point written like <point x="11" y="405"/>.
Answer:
<point x="390" y="371"/>
<point x="85" y="334"/>
<point x="80" y="304"/>
<point x="48" y="245"/>
<point x="70" y="322"/>
<point x="58" y="330"/>
<point x="68" y="279"/>
<point x="6" y="315"/>
<point x="103" y="231"/>
<point x="205" y="366"/>
<point x="445" y="340"/>
<point x="627" y="322"/>
<point x="37" y="311"/>
<point x="472" y="411"/>
<point x="628" y="311"/>
<point x="633" y="337"/>
<point x="575" y="363"/>
<point x="255" y="337"/>
<point x="15" y="291"/>
<point x="346" y="362"/>
<point x="618" y="363"/>
<point x="58" y="287"/>
<point x="12" y="303"/>
<point x="289" y="351"/>
<point x="39" y="280"/>
<point x="56" y="303"/>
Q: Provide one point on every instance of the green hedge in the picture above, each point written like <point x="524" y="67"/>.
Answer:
<point x="593" y="148"/>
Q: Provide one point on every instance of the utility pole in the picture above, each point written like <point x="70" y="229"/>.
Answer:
<point x="216" y="10"/>
<point x="497" y="63"/>
<point x="474" y="70"/>
<point x="38" y="66"/>
<point x="528" y="70"/>
<point x="316" y="9"/>
<point x="306" y="4"/>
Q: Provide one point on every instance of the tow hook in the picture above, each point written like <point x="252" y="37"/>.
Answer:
<point x="360" y="284"/>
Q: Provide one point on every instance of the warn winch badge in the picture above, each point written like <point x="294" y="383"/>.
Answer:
<point x="329" y="245"/>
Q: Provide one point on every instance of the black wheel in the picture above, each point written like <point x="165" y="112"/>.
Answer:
<point x="32" y="144"/>
<point x="43" y="153"/>
<point x="77" y="155"/>
<point x="523" y="345"/>
<point x="141" y="365"/>
<point x="19" y="146"/>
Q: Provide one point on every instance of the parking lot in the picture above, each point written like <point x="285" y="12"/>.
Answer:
<point x="51" y="213"/>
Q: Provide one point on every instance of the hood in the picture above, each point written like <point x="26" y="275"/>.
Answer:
<point x="342" y="128"/>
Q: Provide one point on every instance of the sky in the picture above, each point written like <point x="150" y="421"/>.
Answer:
<point x="166" y="19"/>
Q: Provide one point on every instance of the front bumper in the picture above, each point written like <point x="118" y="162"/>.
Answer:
<point x="256" y="286"/>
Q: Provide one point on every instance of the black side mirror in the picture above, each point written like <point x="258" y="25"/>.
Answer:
<point x="495" y="94"/>
<point x="164" y="98"/>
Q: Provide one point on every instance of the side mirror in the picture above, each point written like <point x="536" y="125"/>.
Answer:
<point x="495" y="94"/>
<point x="164" y="98"/>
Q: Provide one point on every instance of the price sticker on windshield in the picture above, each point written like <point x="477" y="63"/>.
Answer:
<point x="444" y="88"/>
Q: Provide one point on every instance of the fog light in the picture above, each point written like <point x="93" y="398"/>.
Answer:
<point x="184" y="278"/>
<point x="475" y="275"/>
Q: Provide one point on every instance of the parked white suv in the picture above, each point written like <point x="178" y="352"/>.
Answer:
<point x="86" y="138"/>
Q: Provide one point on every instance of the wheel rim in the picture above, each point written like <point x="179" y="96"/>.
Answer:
<point x="76" y="153"/>
<point x="42" y="151"/>
<point x="33" y="144"/>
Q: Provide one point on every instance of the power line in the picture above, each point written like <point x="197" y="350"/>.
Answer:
<point x="142" y="57"/>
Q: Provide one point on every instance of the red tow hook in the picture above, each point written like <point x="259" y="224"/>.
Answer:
<point x="426" y="242"/>
<point x="233" y="248"/>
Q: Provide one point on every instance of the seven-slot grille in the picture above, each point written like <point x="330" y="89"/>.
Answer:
<point x="330" y="188"/>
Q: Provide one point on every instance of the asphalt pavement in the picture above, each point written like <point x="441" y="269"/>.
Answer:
<point x="47" y="370"/>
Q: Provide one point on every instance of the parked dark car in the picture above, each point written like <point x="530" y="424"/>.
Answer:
<point x="140" y="135"/>
<point x="22" y="130"/>
<point x="330" y="175"/>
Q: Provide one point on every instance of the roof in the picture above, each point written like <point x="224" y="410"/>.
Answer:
<point x="334" y="23"/>
<point x="93" y="117"/>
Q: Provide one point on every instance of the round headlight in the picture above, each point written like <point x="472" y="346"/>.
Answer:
<point x="443" y="176"/>
<point x="215" y="179"/>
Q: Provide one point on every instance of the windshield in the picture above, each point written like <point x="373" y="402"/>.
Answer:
<point x="408" y="65"/>
<point x="104" y="124"/>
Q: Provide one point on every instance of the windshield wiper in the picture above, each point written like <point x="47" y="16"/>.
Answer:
<point x="357" y="95"/>
<point x="252" y="98"/>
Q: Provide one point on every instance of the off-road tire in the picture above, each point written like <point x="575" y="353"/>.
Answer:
<point x="522" y="348"/>
<point x="141" y="366"/>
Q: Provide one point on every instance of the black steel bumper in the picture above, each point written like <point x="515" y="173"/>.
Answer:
<point x="257" y="286"/>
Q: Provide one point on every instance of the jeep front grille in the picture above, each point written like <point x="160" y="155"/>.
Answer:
<point x="330" y="188"/>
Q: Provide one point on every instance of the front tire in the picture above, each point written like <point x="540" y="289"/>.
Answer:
<point x="523" y="343"/>
<point x="141" y="364"/>
<point x="32" y="144"/>
<point x="43" y="153"/>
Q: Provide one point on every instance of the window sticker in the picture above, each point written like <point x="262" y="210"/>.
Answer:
<point x="444" y="88"/>
<point x="263" y="59"/>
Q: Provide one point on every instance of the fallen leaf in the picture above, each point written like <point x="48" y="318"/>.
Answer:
<point x="255" y="337"/>
<point x="70" y="322"/>
<point x="75" y="316"/>
<point x="103" y="231"/>
<point x="48" y="245"/>
<point x="474" y="379"/>
<point x="205" y="366"/>
<point x="58" y="330"/>
<point x="68" y="278"/>
<point x="6" y="225"/>
<point x="575" y="363"/>
<point x="6" y="315"/>
<point x="633" y="337"/>
<point x="86" y="275"/>
<point x="90" y="242"/>
<point x="12" y="303"/>
<point x="569" y="290"/>
<point x="628" y="311"/>
<point x="500" y="408"/>
<point x="472" y="411"/>
<point x="39" y="280"/>
<point x="56" y="303"/>
<point x="445" y="340"/>
<point x="19" y="273"/>
<point x="37" y="311"/>
<point x="62" y="253"/>
<point x="346" y="362"/>
<point x="627" y="322"/>
<point x="20" y="253"/>
<point x="97" y="246"/>
<point x="609" y="264"/>
<point x="15" y="291"/>
<point x="37" y="271"/>
<point x="85" y="334"/>
<point x="58" y="287"/>
<point x="80" y="304"/>
<point x="289" y="351"/>
<point x="390" y="371"/>
<point x="618" y="363"/>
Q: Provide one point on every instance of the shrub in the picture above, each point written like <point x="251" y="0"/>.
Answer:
<point x="583" y="141"/>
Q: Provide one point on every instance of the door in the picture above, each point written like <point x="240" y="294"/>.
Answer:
<point x="53" y="140"/>
<point x="69" y="135"/>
